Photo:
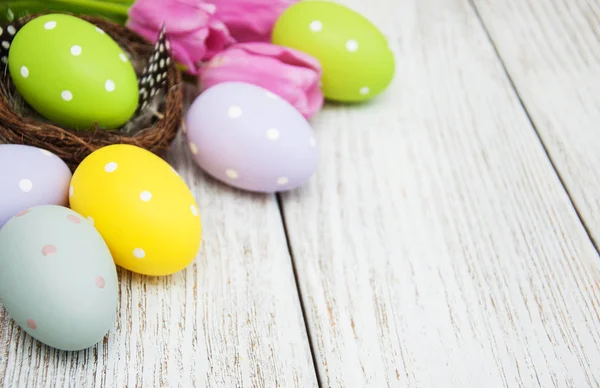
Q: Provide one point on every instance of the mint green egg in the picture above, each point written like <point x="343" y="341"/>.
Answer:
<point x="73" y="73"/>
<point x="58" y="280"/>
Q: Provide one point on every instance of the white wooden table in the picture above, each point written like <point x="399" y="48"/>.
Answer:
<point x="449" y="239"/>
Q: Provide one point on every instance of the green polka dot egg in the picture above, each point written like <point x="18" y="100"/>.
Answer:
<point x="73" y="73"/>
<point x="357" y="63"/>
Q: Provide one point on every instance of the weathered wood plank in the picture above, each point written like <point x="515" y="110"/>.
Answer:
<point x="436" y="246"/>
<point x="552" y="52"/>
<point x="233" y="319"/>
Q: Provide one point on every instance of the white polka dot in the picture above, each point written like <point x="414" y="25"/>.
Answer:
<point x="24" y="72"/>
<point x="46" y="152"/>
<point x="50" y="25"/>
<point x="4" y="59"/>
<point x="11" y="30"/>
<point x="316" y="26"/>
<point x="194" y="148"/>
<point x="111" y="167"/>
<point x="109" y="85"/>
<point x="6" y="45"/>
<point x="282" y="181"/>
<point x="365" y="90"/>
<point x="71" y="191"/>
<point x="162" y="63"/>
<point x="231" y="173"/>
<point x="194" y="210"/>
<point x="91" y="220"/>
<point x="352" y="45"/>
<point x="312" y="141"/>
<point x="234" y="112"/>
<point x="273" y="134"/>
<point x="100" y="30"/>
<point x="145" y="196"/>
<point x="272" y="95"/>
<point x="76" y="50"/>
<point x="66" y="95"/>
<point x="123" y="57"/>
<point x="139" y="253"/>
<point x="1" y="30"/>
<point x="25" y="185"/>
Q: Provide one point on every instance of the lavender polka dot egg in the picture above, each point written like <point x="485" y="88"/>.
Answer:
<point x="30" y="176"/>
<point x="58" y="280"/>
<point x="251" y="139"/>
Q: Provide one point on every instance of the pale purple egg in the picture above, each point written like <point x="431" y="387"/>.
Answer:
<point x="249" y="138"/>
<point x="30" y="176"/>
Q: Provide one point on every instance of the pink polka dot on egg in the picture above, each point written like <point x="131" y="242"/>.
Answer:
<point x="74" y="219"/>
<point x="100" y="282"/>
<point x="48" y="250"/>
<point x="22" y="213"/>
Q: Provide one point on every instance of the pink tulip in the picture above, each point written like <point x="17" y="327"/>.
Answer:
<point x="291" y="74"/>
<point x="194" y="31"/>
<point x="250" y="20"/>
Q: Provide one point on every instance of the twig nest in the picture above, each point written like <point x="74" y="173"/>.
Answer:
<point x="93" y="84"/>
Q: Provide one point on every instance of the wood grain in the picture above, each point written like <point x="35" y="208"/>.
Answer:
<point x="436" y="246"/>
<point x="232" y="319"/>
<point x="552" y="52"/>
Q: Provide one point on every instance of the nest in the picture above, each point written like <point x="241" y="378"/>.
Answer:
<point x="153" y="129"/>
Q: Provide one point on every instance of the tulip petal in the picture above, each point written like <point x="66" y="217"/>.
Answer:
<point x="289" y="73"/>
<point x="193" y="29"/>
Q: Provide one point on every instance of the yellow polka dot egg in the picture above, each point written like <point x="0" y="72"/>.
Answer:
<point x="142" y="208"/>
<point x="73" y="73"/>
<point x="357" y="62"/>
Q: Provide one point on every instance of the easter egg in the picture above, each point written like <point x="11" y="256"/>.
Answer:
<point x="30" y="176"/>
<point x="142" y="208"/>
<point x="73" y="73"/>
<point x="58" y="280"/>
<point x="357" y="63"/>
<point x="250" y="138"/>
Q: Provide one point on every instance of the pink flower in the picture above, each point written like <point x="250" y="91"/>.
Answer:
<point x="194" y="32"/>
<point x="250" y="20"/>
<point x="291" y="74"/>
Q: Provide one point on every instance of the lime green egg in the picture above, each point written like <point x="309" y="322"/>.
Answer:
<point x="357" y="62"/>
<point x="73" y="73"/>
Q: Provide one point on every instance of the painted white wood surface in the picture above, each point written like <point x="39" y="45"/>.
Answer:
<point x="552" y="52"/>
<point x="436" y="246"/>
<point x="232" y="319"/>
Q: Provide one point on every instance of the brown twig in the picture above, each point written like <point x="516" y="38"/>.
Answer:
<point x="19" y="124"/>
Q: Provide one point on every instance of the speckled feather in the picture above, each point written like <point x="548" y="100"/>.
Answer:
<point x="7" y="34"/>
<point x="154" y="75"/>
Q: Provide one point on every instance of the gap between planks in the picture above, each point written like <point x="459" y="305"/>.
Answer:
<point x="299" y="290"/>
<point x="535" y="127"/>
